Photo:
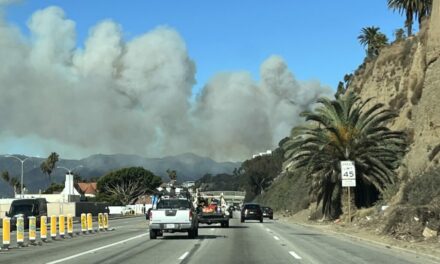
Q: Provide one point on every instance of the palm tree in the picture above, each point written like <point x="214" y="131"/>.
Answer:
<point x="399" y="34"/>
<point x="345" y="129"/>
<point x="411" y="8"/>
<point x="373" y="39"/>
<point x="48" y="165"/>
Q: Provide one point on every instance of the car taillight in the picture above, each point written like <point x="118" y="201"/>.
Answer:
<point x="246" y="211"/>
<point x="150" y="215"/>
<point x="190" y="215"/>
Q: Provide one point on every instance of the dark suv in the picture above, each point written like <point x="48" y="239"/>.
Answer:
<point x="267" y="212"/>
<point x="251" y="211"/>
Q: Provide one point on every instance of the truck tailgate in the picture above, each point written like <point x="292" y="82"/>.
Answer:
<point x="161" y="216"/>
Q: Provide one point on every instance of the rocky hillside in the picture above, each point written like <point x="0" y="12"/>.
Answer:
<point x="406" y="76"/>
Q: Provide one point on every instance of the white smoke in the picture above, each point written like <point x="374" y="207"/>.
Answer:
<point x="117" y="96"/>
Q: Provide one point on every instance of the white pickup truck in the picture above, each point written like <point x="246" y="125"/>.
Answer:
<point x="173" y="215"/>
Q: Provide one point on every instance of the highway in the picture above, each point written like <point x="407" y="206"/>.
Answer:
<point x="250" y="242"/>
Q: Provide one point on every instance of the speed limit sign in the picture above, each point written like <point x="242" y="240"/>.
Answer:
<point x="348" y="173"/>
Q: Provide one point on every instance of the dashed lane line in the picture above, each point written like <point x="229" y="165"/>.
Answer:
<point x="183" y="256"/>
<point x="276" y="238"/>
<point x="294" y="255"/>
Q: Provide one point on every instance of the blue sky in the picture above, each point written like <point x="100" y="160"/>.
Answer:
<point x="317" y="39"/>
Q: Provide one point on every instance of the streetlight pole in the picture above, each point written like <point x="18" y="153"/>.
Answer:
<point x="22" y="163"/>
<point x="69" y="171"/>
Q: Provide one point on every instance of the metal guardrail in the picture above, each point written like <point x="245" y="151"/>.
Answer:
<point x="225" y="193"/>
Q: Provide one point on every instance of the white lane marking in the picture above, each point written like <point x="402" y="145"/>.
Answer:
<point x="276" y="238"/>
<point x="294" y="255"/>
<point x="96" y="249"/>
<point x="267" y="229"/>
<point x="184" y="255"/>
<point x="212" y="229"/>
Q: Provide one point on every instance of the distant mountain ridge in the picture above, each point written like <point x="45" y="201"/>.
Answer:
<point x="189" y="167"/>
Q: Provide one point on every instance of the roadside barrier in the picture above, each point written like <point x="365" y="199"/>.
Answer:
<point x="57" y="226"/>
<point x="105" y="221"/>
<point x="61" y="226"/>
<point x="53" y="227"/>
<point x="70" y="225"/>
<point x="100" y="222"/>
<point x="20" y="231"/>
<point x="43" y="228"/>
<point x="6" y="233"/>
<point x="32" y="229"/>
<point x="83" y="223"/>
<point x="89" y="223"/>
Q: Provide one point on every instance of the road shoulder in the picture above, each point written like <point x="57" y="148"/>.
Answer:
<point x="426" y="248"/>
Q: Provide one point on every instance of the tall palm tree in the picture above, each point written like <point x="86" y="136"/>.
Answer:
<point x="345" y="129"/>
<point x="373" y="40"/>
<point x="48" y="165"/>
<point x="411" y="9"/>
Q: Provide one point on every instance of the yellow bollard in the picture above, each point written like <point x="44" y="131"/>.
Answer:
<point x="70" y="225"/>
<point x="83" y="223"/>
<point x="62" y="225"/>
<point x="32" y="229"/>
<point x="105" y="221"/>
<point x="100" y="222"/>
<point x="43" y="228"/>
<point x="6" y="232"/>
<point x="20" y="231"/>
<point x="53" y="227"/>
<point x="89" y="223"/>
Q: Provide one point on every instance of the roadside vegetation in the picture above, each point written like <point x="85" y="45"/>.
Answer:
<point x="346" y="129"/>
<point x="125" y="186"/>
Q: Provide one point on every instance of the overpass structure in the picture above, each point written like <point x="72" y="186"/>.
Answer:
<point x="231" y="197"/>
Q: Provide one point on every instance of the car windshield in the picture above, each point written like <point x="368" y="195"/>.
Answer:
<point x="25" y="209"/>
<point x="252" y="206"/>
<point x="173" y="204"/>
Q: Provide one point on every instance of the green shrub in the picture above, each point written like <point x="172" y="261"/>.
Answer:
<point x="423" y="189"/>
<point x="289" y="192"/>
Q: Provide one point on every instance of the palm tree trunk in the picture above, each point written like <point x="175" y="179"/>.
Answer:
<point x="409" y="22"/>
<point x="346" y="202"/>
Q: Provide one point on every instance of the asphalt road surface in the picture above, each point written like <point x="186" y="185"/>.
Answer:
<point x="250" y="242"/>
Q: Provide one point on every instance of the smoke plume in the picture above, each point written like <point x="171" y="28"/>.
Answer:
<point x="134" y="97"/>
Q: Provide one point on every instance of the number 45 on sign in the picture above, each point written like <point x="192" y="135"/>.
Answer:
<point x="348" y="173"/>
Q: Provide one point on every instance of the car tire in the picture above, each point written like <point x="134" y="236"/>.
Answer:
<point x="271" y="218"/>
<point x="197" y="232"/>
<point x="261" y="220"/>
<point x="227" y="224"/>
<point x="153" y="234"/>
<point x="242" y="220"/>
<point x="191" y="234"/>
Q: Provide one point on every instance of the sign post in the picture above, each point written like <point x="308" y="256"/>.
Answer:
<point x="348" y="175"/>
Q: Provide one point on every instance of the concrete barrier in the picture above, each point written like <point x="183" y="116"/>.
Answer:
<point x="70" y="225"/>
<point x="61" y="226"/>
<point x="100" y="222"/>
<point x="105" y="221"/>
<point x="32" y="229"/>
<point x="83" y="223"/>
<point x="53" y="227"/>
<point x="20" y="231"/>
<point x="43" y="228"/>
<point x="6" y="233"/>
<point x="57" y="225"/>
<point x="89" y="223"/>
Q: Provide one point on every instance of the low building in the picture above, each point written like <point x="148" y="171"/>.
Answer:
<point x="88" y="189"/>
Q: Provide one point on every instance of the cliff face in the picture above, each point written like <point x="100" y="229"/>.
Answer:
<point x="406" y="77"/>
